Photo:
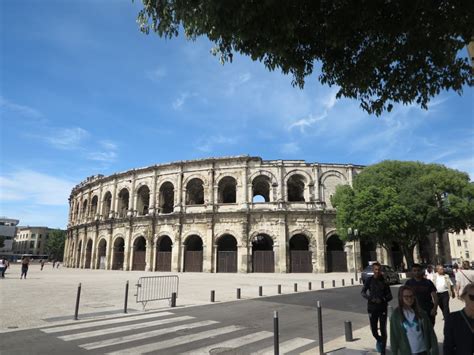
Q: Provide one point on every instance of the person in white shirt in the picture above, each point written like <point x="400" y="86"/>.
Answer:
<point x="429" y="273"/>
<point x="463" y="277"/>
<point x="444" y="289"/>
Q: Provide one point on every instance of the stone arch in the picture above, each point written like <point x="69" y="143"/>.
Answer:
<point x="328" y="182"/>
<point x="118" y="255"/>
<point x="76" y="213"/>
<point x="193" y="253"/>
<point x="79" y="253"/>
<point x="263" y="256"/>
<point x="236" y="235"/>
<point x="296" y="186"/>
<point x="336" y="259"/>
<point x="101" y="253"/>
<point x="164" y="247"/>
<point x="143" y="200"/>
<point x="88" y="261"/>
<point x="166" y="197"/>
<point x="300" y="253"/>
<point x="226" y="260"/>
<point x="84" y="209"/>
<point x="139" y="253"/>
<point x="107" y="204"/>
<point x="227" y="190"/>
<point x="123" y="202"/>
<point x="195" y="192"/>
<point x="261" y="186"/>
<point x="94" y="206"/>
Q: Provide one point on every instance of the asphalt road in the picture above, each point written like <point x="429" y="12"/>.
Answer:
<point x="240" y="327"/>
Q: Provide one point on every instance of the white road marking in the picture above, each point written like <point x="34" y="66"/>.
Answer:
<point x="287" y="346"/>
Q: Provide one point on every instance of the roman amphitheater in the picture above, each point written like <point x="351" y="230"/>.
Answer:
<point x="231" y="214"/>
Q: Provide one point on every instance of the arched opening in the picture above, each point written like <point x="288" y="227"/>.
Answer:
<point x="367" y="252"/>
<point x="193" y="254"/>
<point x="124" y="198"/>
<point x="87" y="264"/>
<point x="300" y="255"/>
<point x="163" y="254"/>
<point x="336" y="259"/>
<point x="195" y="192"/>
<point x="94" y="203"/>
<point x="84" y="210"/>
<point x="76" y="214"/>
<point x="295" y="188"/>
<point x="263" y="258"/>
<point x="227" y="190"/>
<point x="139" y="254"/>
<point x="261" y="187"/>
<point x="79" y="254"/>
<point x="101" y="254"/>
<point x="166" y="197"/>
<point x="118" y="255"/>
<point x="143" y="202"/>
<point x="107" y="205"/>
<point x="226" y="254"/>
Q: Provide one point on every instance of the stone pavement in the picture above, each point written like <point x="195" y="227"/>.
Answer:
<point x="48" y="297"/>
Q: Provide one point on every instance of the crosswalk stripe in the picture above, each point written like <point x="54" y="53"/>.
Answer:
<point x="123" y="328"/>
<point x="287" y="346"/>
<point x="145" y="335"/>
<point x="232" y="343"/>
<point x="104" y="322"/>
<point x="158" y="346"/>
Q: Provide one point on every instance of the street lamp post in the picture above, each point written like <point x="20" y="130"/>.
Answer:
<point x="353" y="234"/>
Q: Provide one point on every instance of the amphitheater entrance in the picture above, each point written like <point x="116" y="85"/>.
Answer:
<point x="139" y="254"/>
<point x="263" y="257"/>
<point x="163" y="254"/>
<point x="87" y="264"/>
<point x="227" y="254"/>
<point x="119" y="252"/>
<point x="79" y="254"/>
<point x="101" y="254"/>
<point x="367" y="252"/>
<point x="193" y="254"/>
<point x="336" y="259"/>
<point x="300" y="255"/>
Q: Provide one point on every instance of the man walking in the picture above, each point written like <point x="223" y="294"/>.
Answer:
<point x="377" y="293"/>
<point x="425" y="292"/>
<point x="444" y="290"/>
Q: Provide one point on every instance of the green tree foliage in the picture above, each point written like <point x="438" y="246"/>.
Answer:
<point x="379" y="53"/>
<point x="404" y="202"/>
<point x="55" y="244"/>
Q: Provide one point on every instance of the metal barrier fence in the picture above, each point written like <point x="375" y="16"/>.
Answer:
<point x="154" y="288"/>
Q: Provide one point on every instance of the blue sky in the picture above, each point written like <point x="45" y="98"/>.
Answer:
<point x="83" y="92"/>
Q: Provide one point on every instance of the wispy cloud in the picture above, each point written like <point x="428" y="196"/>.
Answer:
<point x="108" y="153"/>
<point x="67" y="138"/>
<point x="6" y="105"/>
<point x="180" y="101"/>
<point x="290" y="148"/>
<point x="35" y="188"/>
<point x="306" y="122"/>
<point x="208" y="144"/>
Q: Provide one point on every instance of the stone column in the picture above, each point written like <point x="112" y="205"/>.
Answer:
<point x="114" y="202"/>
<point x="149" y="254"/>
<point x="127" y="259"/>
<point x="152" y="204"/>
<point x="175" y="259"/>
<point x="283" y="244"/>
<point x="108" y="253"/>
<point x="320" y="246"/>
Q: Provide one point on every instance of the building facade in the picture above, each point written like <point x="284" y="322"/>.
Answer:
<point x="8" y="228"/>
<point x="31" y="240"/>
<point x="462" y="246"/>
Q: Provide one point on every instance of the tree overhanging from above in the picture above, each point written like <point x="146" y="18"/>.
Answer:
<point x="377" y="52"/>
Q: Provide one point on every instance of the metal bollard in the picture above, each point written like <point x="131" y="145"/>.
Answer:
<point x="320" y="329"/>
<point x="125" y="305"/>
<point x="296" y="287"/>
<point x="78" y="298"/>
<point x="238" y="293"/>
<point x="260" y="290"/>
<point x="309" y="286"/>
<point x="333" y="283"/>
<point x="348" y="330"/>
<point x="322" y="284"/>
<point x="213" y="296"/>
<point x="352" y="281"/>
<point x="276" y="341"/>
<point x="173" y="299"/>
<point x="279" y="289"/>
<point x="343" y="282"/>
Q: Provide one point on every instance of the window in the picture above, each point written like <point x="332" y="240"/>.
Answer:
<point x="467" y="255"/>
<point x="32" y="244"/>
<point x="39" y="245"/>
<point x="465" y="244"/>
<point x="459" y="242"/>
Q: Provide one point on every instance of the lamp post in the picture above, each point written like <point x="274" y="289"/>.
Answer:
<point x="353" y="234"/>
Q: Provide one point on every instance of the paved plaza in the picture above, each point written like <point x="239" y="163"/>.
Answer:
<point x="47" y="298"/>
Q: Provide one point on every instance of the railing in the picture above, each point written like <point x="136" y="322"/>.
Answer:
<point x="154" y="288"/>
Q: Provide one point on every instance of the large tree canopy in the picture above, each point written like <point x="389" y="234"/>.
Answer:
<point x="378" y="52"/>
<point x="404" y="202"/>
<point x="55" y="244"/>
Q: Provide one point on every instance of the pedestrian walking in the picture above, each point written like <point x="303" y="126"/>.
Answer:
<point x="57" y="265"/>
<point x="54" y="263"/>
<point x="459" y="327"/>
<point x="425" y="292"/>
<point x="464" y="277"/>
<point x="42" y="264"/>
<point x="444" y="290"/>
<point x="411" y="331"/>
<point x="429" y="273"/>
<point x="376" y="291"/>
<point x="25" y="262"/>
<point x="3" y="267"/>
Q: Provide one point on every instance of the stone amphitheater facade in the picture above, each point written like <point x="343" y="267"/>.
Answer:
<point x="230" y="214"/>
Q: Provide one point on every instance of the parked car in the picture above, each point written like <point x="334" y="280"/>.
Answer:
<point x="390" y="275"/>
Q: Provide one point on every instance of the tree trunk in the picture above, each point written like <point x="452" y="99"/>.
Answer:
<point x="408" y="253"/>
<point x="440" y="258"/>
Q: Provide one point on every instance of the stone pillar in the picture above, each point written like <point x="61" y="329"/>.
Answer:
<point x="320" y="246"/>
<point x="283" y="244"/>
<point x="178" y="196"/>
<point x="152" y="204"/>
<point x="114" y="202"/>
<point x="242" y="259"/>
<point x="149" y="254"/>
<point x="175" y="259"/>
<point x="127" y="259"/>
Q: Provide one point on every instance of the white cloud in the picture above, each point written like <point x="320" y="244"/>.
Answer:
<point x="107" y="154"/>
<point x="463" y="164"/>
<point x="290" y="148"/>
<point x="179" y="102"/>
<point x="208" y="144"/>
<point x="21" y="109"/>
<point x="34" y="188"/>
<point x="67" y="138"/>
<point x="304" y="123"/>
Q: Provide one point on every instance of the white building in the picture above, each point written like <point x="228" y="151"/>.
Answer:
<point x="7" y="233"/>
<point x="462" y="246"/>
